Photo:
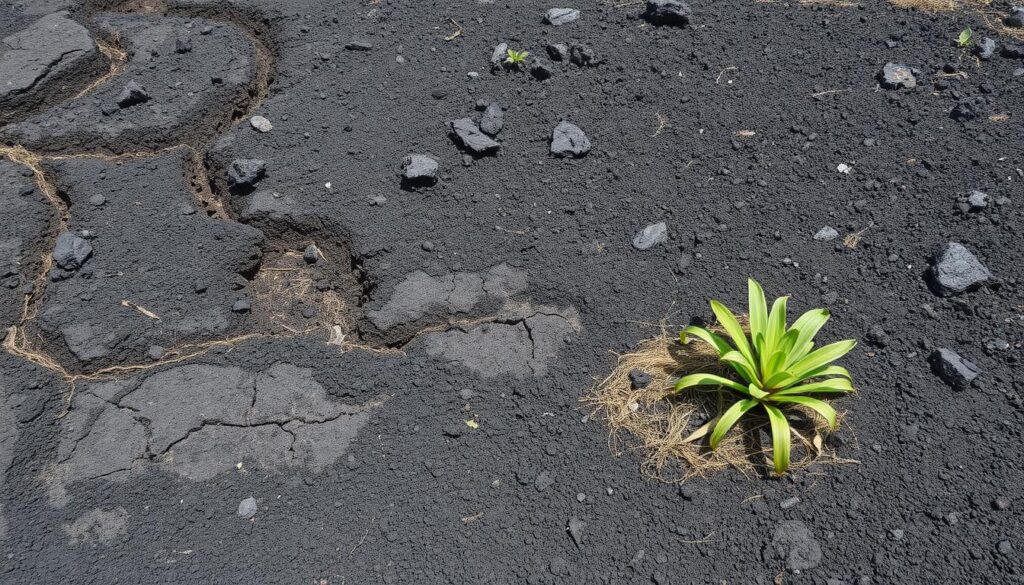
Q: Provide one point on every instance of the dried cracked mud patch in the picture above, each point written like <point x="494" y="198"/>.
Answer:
<point x="242" y="347"/>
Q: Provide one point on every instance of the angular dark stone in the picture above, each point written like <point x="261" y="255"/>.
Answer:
<point x="472" y="139"/>
<point x="1016" y="18"/>
<point x="568" y="140"/>
<point x="955" y="270"/>
<point x="671" y="12"/>
<point x="419" y="169"/>
<point x="896" y="76"/>
<point x="71" y="251"/>
<point x="132" y="95"/>
<point x="244" y="173"/>
<point x="493" y="119"/>
<point x="541" y="70"/>
<point x="582" y="56"/>
<point x="953" y="369"/>
<point x="639" y="379"/>
<point x="558" y="52"/>
<point x="985" y="48"/>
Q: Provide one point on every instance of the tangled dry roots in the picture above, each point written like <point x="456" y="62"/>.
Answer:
<point x="667" y="430"/>
<point x="939" y="5"/>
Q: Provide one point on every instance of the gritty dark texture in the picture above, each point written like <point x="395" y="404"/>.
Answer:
<point x="500" y="293"/>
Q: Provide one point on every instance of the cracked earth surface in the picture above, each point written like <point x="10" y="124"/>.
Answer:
<point x="242" y="347"/>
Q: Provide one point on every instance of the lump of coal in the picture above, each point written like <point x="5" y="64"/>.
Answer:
<point x="896" y="76"/>
<point x="419" y="169"/>
<point x="672" y="12"/>
<point x="132" y="95"/>
<point x="71" y="251"/>
<point x="568" y="140"/>
<point x="493" y="119"/>
<point x="244" y="173"/>
<point x="953" y="369"/>
<point x="560" y="16"/>
<point x="472" y="139"/>
<point x="955" y="270"/>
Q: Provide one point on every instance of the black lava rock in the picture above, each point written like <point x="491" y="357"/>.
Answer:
<point x="1013" y="51"/>
<point x="568" y="140"/>
<point x="582" y="56"/>
<point x="558" y="52"/>
<point x="493" y="119"/>
<point x="182" y="46"/>
<point x="639" y="378"/>
<point x="896" y="76"/>
<point x="955" y="270"/>
<point x="541" y="70"/>
<point x="1016" y="18"/>
<point x="953" y="369"/>
<point x="132" y="94"/>
<point x="71" y="251"/>
<point x="671" y="12"/>
<point x="244" y="173"/>
<point x="985" y="48"/>
<point x="468" y="134"/>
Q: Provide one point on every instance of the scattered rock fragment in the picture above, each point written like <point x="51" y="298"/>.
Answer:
<point x="639" y="379"/>
<point x="985" y="48"/>
<point x="540" y="70"/>
<point x="359" y="46"/>
<point x="568" y="139"/>
<point x="1012" y="51"/>
<point x="558" y="51"/>
<point x="244" y="173"/>
<point x="975" y="202"/>
<point x="897" y="76"/>
<point x="133" y="94"/>
<point x="247" y="508"/>
<point x="261" y="124"/>
<point x="419" y="169"/>
<point x="544" y="481"/>
<point x="575" y="527"/>
<point x="670" y="12"/>
<point x="499" y="54"/>
<point x="71" y="251"/>
<point x="826" y="234"/>
<point x="953" y="369"/>
<point x="311" y="255"/>
<point x="472" y="139"/>
<point x="582" y="56"/>
<point x="650" y="236"/>
<point x="182" y="45"/>
<point x="955" y="270"/>
<point x="967" y="109"/>
<point x="493" y="119"/>
<point x="1015" y="18"/>
<point x="560" y="16"/>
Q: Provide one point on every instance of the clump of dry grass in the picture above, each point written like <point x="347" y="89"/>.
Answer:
<point x="668" y="430"/>
<point x="939" y="5"/>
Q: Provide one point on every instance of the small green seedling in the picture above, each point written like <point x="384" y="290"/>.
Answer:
<point x="776" y="365"/>
<point x="965" y="37"/>
<point x="516" y="58"/>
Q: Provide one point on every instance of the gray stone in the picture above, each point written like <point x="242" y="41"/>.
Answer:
<point x="826" y="234"/>
<point x="575" y="527"/>
<point x="544" y="480"/>
<point x="567" y="139"/>
<point x="896" y="76"/>
<point x="650" y="236"/>
<point x="419" y="169"/>
<point x="953" y="369"/>
<point x="472" y="139"/>
<point x="499" y="54"/>
<point x="955" y="270"/>
<point x="793" y="544"/>
<point x="71" y="251"/>
<point x="1015" y="18"/>
<point x="977" y="200"/>
<point x="639" y="379"/>
<point x="541" y="70"/>
<point x="246" y="172"/>
<point x="247" y="508"/>
<point x="558" y="52"/>
<point x="493" y="119"/>
<point x="132" y="94"/>
<point x="672" y="12"/>
<point x="261" y="124"/>
<point x="560" y="16"/>
<point x="311" y="255"/>
<point x="985" y="48"/>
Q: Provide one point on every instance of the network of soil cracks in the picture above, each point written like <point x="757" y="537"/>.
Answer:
<point x="318" y="292"/>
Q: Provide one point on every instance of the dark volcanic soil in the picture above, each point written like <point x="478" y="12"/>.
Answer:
<point x="220" y="287"/>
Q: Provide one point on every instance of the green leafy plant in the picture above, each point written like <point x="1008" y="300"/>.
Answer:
<point x="516" y="58"/>
<point x="965" y="37"/>
<point x="777" y="368"/>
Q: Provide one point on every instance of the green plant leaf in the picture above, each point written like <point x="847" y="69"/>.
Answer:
<point x="729" y="419"/>
<point x="821" y="357"/>
<point x="721" y="346"/>
<point x="964" y="38"/>
<point x="728" y="322"/>
<point x="807" y="326"/>
<point x="830" y="386"/>
<point x="818" y="406"/>
<point x="779" y="380"/>
<point x="743" y="367"/>
<point x="830" y="371"/>
<point x="709" y="380"/>
<point x="780" y="438"/>
<point x="776" y="325"/>
<point x="758" y="309"/>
